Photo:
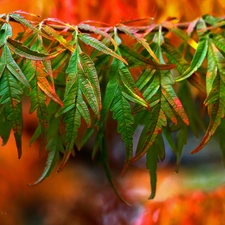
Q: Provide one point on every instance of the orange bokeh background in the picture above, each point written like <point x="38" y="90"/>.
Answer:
<point x="113" y="11"/>
<point x="78" y="195"/>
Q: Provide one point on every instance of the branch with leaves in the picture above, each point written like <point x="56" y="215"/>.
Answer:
<point x="74" y="75"/>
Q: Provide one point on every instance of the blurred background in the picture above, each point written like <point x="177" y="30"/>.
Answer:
<point x="81" y="194"/>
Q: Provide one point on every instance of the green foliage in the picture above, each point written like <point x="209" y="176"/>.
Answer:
<point x="75" y="76"/>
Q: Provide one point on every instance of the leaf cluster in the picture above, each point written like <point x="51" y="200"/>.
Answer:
<point x="77" y="77"/>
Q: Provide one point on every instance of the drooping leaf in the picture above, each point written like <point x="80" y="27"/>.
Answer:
<point x="44" y="84"/>
<point x="91" y="73"/>
<point x="215" y="100"/>
<point x="153" y="129"/>
<point x="5" y="126"/>
<point x="122" y="113"/>
<point x="175" y="102"/>
<point x="54" y="147"/>
<point x="151" y="165"/>
<point x="10" y="96"/>
<point x="198" y="58"/>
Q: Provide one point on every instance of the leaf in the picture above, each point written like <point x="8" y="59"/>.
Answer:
<point x="218" y="40"/>
<point x="71" y="84"/>
<point x="27" y="53"/>
<point x="91" y="73"/>
<point x="175" y="102"/>
<point x="150" y="133"/>
<point x="131" y="88"/>
<point x="10" y="96"/>
<point x="5" y="127"/>
<point x="215" y="100"/>
<point x="122" y="113"/>
<point x="54" y="34"/>
<point x="99" y="31"/>
<point x="138" y="59"/>
<point x="44" y="84"/>
<point x="5" y="33"/>
<point x="99" y="46"/>
<point x="182" y="137"/>
<point x="27" y="23"/>
<point x="198" y="58"/>
<point x="140" y="39"/>
<point x="54" y="146"/>
<point x="151" y="165"/>
<point x="183" y="35"/>
<point x="111" y="88"/>
<point x="12" y="66"/>
<point x="104" y="158"/>
<point x="182" y="65"/>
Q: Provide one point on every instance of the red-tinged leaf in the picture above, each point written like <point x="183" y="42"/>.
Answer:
<point x="157" y="122"/>
<point x="216" y="112"/>
<point x="27" y="23"/>
<point x="216" y="97"/>
<point x="175" y="102"/>
<point x="140" y="39"/>
<point x="64" y="161"/>
<point x="26" y="13"/>
<point x="99" y="31"/>
<point x="44" y="84"/>
<point x="168" y="110"/>
<point x="55" y="35"/>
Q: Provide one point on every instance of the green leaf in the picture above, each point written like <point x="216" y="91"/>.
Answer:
<point x="99" y="46"/>
<point x="198" y="58"/>
<point x="10" y="96"/>
<point x="12" y="66"/>
<point x="88" y="68"/>
<point x="104" y="158"/>
<point x="131" y="88"/>
<point x="5" y="33"/>
<point x="54" y="147"/>
<point x="151" y="131"/>
<point x="111" y="88"/>
<point x="122" y="113"/>
<point x="215" y="100"/>
<point x="151" y="165"/>
<point x="5" y="126"/>
<point x="182" y="137"/>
